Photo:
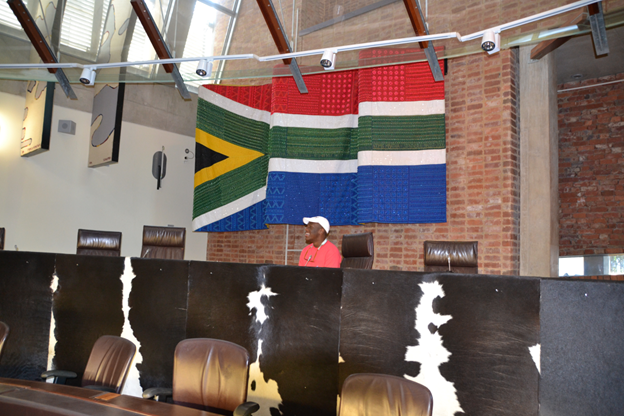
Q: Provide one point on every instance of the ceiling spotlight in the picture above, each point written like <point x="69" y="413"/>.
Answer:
<point x="204" y="68"/>
<point x="329" y="59"/>
<point x="491" y="42"/>
<point x="88" y="76"/>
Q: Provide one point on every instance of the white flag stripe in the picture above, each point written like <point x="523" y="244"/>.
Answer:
<point x="230" y="209"/>
<point x="234" y="107"/>
<point x="314" y="122"/>
<point x="402" y="158"/>
<point x="401" y="108"/>
<point x="312" y="166"/>
<point x="365" y="158"/>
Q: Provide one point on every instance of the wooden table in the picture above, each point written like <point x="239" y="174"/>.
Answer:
<point x="37" y="398"/>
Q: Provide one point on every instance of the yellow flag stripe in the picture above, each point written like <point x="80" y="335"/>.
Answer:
<point x="237" y="156"/>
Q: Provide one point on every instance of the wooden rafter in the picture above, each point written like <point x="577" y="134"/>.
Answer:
<point x="40" y="44"/>
<point x="270" y="17"/>
<point x="158" y="42"/>
<point x="544" y="48"/>
<point x="417" y="22"/>
<point x="420" y="28"/>
<point x="281" y="41"/>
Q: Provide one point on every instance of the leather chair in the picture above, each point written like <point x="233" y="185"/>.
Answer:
<point x="107" y="368"/>
<point x="358" y="251"/>
<point x="4" y="332"/>
<point x="99" y="243"/>
<point x="462" y="255"/>
<point x="209" y="374"/>
<point x="163" y="242"/>
<point x="1" y="238"/>
<point x="384" y="395"/>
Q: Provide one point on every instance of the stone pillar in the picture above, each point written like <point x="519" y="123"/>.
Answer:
<point x="539" y="183"/>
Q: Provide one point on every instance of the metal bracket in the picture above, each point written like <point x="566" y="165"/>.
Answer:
<point x="599" y="31"/>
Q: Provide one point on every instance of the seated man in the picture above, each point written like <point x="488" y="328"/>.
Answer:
<point x="319" y="252"/>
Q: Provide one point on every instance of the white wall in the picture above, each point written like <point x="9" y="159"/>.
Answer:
<point x="46" y="198"/>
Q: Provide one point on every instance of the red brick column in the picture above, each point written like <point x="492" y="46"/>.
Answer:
<point x="591" y="167"/>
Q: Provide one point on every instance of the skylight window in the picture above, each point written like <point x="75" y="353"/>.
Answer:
<point x="7" y="18"/>
<point x="200" y="39"/>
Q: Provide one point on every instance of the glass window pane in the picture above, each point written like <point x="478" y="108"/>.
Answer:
<point x="571" y="266"/>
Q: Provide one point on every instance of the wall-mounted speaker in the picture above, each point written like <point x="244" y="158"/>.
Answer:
<point x="67" y="126"/>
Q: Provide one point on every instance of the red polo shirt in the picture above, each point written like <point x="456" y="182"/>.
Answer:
<point x="327" y="255"/>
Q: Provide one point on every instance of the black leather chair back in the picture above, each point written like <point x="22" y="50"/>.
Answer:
<point x="99" y="243"/>
<point x="358" y="251"/>
<point x="463" y="255"/>
<point x="1" y="238"/>
<point x="163" y="242"/>
<point x="384" y="395"/>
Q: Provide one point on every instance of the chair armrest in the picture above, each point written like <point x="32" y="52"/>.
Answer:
<point x="59" y="375"/>
<point x="101" y="388"/>
<point x="246" y="409"/>
<point x="160" y="392"/>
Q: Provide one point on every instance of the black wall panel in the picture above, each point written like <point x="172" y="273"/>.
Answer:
<point x="87" y="305"/>
<point x="582" y="348"/>
<point x="25" y="305"/>
<point x="377" y="323"/>
<point x="217" y="301"/>
<point x="369" y="316"/>
<point x="300" y="335"/>
<point x="158" y="304"/>
<point x="495" y="319"/>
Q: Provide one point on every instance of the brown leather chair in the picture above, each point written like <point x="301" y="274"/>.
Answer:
<point x="1" y="238"/>
<point x="99" y="243"/>
<point x="4" y="332"/>
<point x="107" y="368"/>
<point x="463" y="256"/>
<point x="358" y="251"/>
<point x="209" y="374"/>
<point x="384" y="395"/>
<point x="163" y="242"/>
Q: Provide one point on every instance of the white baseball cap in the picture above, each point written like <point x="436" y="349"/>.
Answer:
<point x="320" y="220"/>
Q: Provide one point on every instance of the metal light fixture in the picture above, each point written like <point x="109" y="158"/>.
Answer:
<point x="88" y="76"/>
<point x="328" y="59"/>
<point x="204" y="68"/>
<point x="491" y="41"/>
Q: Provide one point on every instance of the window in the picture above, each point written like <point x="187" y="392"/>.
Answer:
<point x="571" y="266"/>
<point x="7" y="18"/>
<point x="83" y="23"/>
<point x="200" y="39"/>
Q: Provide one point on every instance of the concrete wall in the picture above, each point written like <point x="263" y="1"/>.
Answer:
<point x="46" y="198"/>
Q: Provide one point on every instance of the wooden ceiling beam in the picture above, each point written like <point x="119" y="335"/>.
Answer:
<point x="420" y="28"/>
<point x="272" y="22"/>
<point x="281" y="41"/>
<point x="158" y="42"/>
<point x="545" y="47"/>
<point x="40" y="44"/>
<point x="413" y="11"/>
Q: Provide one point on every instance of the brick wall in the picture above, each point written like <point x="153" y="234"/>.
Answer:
<point x="482" y="183"/>
<point x="591" y="167"/>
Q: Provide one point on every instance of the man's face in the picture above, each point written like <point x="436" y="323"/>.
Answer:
<point x="314" y="233"/>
